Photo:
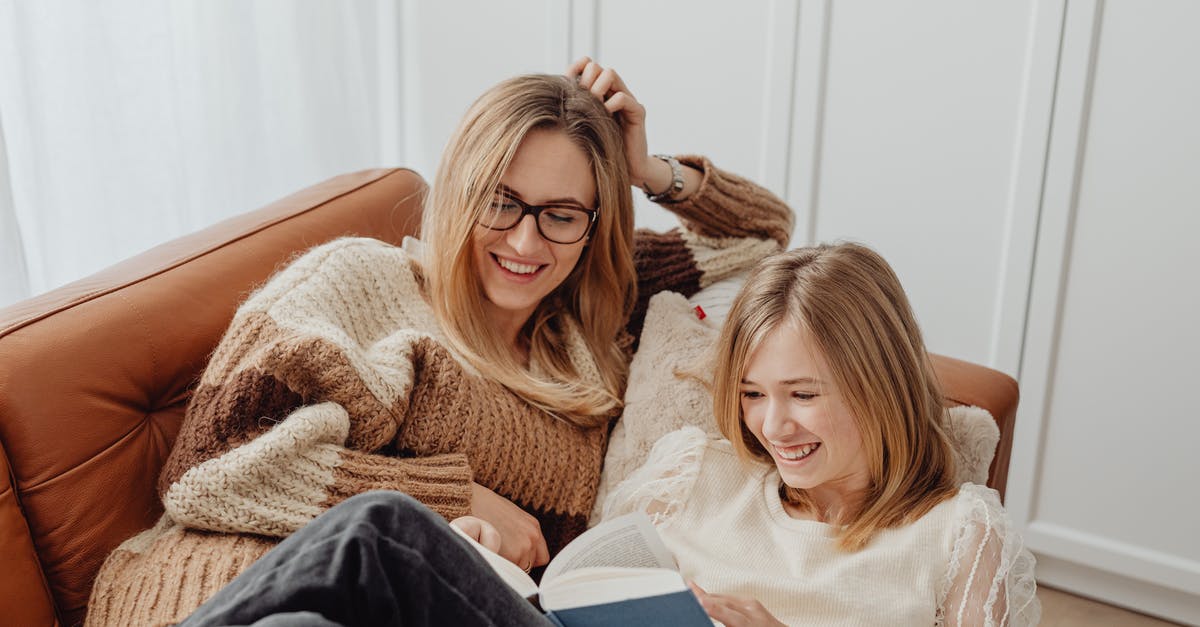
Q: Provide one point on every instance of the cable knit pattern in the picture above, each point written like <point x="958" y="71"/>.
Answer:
<point x="334" y="379"/>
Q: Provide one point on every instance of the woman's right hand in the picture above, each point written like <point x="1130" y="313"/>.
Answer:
<point x="606" y="85"/>
<point x="521" y="539"/>
<point x="645" y="171"/>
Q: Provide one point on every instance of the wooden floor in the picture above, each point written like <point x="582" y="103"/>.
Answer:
<point x="1060" y="609"/>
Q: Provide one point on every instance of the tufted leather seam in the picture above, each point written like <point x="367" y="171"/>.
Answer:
<point x="171" y="265"/>
<point x="141" y="424"/>
<point x="145" y="330"/>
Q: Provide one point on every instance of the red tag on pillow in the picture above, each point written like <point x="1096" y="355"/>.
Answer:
<point x="700" y="312"/>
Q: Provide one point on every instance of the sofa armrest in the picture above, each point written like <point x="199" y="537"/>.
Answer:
<point x="965" y="383"/>
<point x="96" y="374"/>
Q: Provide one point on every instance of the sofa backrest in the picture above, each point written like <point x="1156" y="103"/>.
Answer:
<point x="94" y="378"/>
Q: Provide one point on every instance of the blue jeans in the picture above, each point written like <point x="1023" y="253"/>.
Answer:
<point x="379" y="558"/>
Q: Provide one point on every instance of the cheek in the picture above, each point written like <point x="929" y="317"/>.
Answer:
<point x="568" y="259"/>
<point x="481" y="238"/>
<point x="752" y="417"/>
<point x="845" y="433"/>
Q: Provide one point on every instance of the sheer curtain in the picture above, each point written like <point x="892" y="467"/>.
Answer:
<point x="129" y="123"/>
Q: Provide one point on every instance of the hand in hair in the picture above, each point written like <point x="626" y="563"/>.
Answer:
<point x="521" y="539"/>
<point x="734" y="611"/>
<point x="604" y="83"/>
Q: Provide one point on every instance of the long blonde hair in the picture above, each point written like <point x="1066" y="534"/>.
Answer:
<point x="598" y="295"/>
<point x="851" y="303"/>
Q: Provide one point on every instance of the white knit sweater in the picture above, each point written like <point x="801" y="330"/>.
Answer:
<point x="960" y="564"/>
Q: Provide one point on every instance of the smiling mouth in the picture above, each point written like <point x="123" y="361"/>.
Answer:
<point x="520" y="269"/>
<point x="797" y="453"/>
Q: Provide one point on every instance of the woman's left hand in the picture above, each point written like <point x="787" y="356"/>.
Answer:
<point x="734" y="611"/>
<point x="480" y="531"/>
<point x="605" y="84"/>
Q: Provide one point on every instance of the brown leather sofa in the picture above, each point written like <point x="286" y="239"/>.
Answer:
<point x="94" y="378"/>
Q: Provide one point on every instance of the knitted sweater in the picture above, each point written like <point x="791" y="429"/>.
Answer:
<point x="961" y="563"/>
<point x="334" y="379"/>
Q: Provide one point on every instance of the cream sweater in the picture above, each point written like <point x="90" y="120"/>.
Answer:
<point x="960" y="564"/>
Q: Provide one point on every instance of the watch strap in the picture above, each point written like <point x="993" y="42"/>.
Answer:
<point x="676" y="185"/>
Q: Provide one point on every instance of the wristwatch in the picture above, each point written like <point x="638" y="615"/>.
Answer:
<point x="667" y="195"/>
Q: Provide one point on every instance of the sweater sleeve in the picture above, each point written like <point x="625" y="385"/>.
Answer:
<point x="990" y="579"/>
<point x="661" y="485"/>
<point x="726" y="227"/>
<point x="301" y="400"/>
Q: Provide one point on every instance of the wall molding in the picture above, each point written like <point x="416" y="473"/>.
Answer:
<point x="778" y="94"/>
<point x="584" y="28"/>
<point x="1117" y="590"/>
<point x="808" y="116"/>
<point x="1029" y="168"/>
<point x="1056" y="220"/>
<point x="1115" y="556"/>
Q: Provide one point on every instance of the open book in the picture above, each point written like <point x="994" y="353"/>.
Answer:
<point x="616" y="573"/>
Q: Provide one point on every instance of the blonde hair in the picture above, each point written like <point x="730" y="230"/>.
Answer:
<point x="851" y="303"/>
<point x="596" y="298"/>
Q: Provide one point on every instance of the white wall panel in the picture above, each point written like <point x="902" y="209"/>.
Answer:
<point x="919" y="132"/>
<point x="453" y="50"/>
<point x="1104" y="457"/>
<point x="701" y="70"/>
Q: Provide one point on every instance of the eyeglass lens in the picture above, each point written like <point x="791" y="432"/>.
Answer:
<point x="562" y="224"/>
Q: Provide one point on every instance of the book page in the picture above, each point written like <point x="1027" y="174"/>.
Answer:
<point x="512" y="574"/>
<point x="626" y="541"/>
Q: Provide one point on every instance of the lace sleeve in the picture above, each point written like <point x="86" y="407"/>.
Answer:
<point x="662" y="484"/>
<point x="990" y="579"/>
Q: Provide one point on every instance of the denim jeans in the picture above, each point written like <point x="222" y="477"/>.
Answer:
<point x="379" y="558"/>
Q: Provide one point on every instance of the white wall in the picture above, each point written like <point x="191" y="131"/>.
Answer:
<point x="1104" y="472"/>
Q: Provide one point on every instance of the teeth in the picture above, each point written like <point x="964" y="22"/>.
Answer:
<point x="799" y="453"/>
<point x="519" y="268"/>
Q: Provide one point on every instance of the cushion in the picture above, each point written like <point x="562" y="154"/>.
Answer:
<point x="666" y="393"/>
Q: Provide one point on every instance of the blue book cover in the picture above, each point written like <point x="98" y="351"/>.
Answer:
<point x="677" y="609"/>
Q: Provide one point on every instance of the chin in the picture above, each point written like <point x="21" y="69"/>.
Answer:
<point x="513" y="303"/>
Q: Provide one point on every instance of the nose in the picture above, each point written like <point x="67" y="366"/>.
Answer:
<point x="778" y="423"/>
<point x="524" y="237"/>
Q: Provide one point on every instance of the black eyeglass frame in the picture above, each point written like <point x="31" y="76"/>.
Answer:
<point x="536" y="211"/>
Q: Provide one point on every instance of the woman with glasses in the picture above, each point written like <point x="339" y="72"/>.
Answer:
<point x="477" y="372"/>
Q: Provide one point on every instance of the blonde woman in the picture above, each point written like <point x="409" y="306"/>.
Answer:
<point x="831" y="500"/>
<point x="477" y="373"/>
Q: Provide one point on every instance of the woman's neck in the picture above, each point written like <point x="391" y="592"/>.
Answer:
<point x="828" y="504"/>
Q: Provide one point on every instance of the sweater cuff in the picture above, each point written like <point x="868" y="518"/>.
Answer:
<point x="440" y="482"/>
<point x="729" y="206"/>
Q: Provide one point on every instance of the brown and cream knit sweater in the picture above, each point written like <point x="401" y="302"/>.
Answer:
<point x="334" y="379"/>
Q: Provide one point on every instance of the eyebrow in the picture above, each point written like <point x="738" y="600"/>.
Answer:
<point x="566" y="200"/>
<point x="798" y="381"/>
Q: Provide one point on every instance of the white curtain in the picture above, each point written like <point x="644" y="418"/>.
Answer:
<point x="129" y="123"/>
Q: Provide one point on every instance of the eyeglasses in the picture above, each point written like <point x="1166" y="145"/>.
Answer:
<point x="559" y="223"/>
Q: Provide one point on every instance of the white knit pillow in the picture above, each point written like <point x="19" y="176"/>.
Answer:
<point x="662" y="398"/>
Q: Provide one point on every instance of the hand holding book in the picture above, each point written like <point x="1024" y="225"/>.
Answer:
<point x="618" y="572"/>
